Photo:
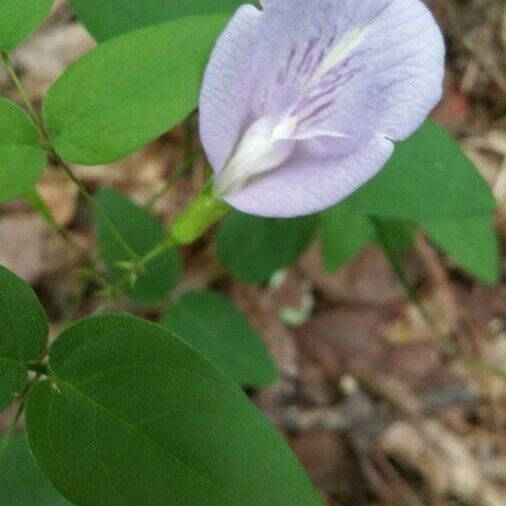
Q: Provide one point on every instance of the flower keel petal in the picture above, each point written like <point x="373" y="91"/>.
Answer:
<point x="305" y="185"/>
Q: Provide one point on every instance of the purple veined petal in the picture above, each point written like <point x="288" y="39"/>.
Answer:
<point x="306" y="185"/>
<point x="343" y="73"/>
<point x="228" y="85"/>
<point x="388" y="56"/>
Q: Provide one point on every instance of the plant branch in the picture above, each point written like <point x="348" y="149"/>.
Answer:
<point x="203" y="212"/>
<point x="4" y="442"/>
<point x="190" y="153"/>
<point x="96" y="207"/>
<point x="169" y="183"/>
<point x="23" y="93"/>
<point x="41" y="207"/>
<point x="36" y="200"/>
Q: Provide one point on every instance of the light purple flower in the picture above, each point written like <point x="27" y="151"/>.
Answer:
<point x="302" y="101"/>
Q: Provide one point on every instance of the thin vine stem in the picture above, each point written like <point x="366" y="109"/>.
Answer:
<point x="4" y="442"/>
<point x="169" y="183"/>
<point x="43" y="210"/>
<point x="190" y="155"/>
<point x="96" y="207"/>
<point x="6" y="60"/>
<point x="203" y="212"/>
<point x="68" y="170"/>
<point x="447" y="337"/>
<point x="36" y="199"/>
<point x="140" y="265"/>
<point x="137" y="263"/>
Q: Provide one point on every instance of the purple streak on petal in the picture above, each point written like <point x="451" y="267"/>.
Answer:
<point x="307" y="58"/>
<point x="400" y="31"/>
<point x="315" y="113"/>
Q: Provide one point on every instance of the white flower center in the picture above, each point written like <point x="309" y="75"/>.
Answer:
<point x="267" y="143"/>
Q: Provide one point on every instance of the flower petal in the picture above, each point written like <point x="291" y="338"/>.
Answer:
<point x="305" y="184"/>
<point x="406" y="68"/>
<point x="355" y="75"/>
<point x="228" y="85"/>
<point x="388" y="59"/>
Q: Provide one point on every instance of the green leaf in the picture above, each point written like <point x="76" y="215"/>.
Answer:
<point x="141" y="231"/>
<point x="253" y="248"/>
<point x="428" y="178"/>
<point x="106" y="19"/>
<point x="23" y="324"/>
<point x="399" y="234"/>
<point x="132" y="415"/>
<point x="430" y="182"/>
<point x="472" y="243"/>
<point x="23" y="333"/>
<point x="344" y="233"/>
<point x="19" y="18"/>
<point x="22" y="483"/>
<point x="22" y="160"/>
<point x="16" y="127"/>
<point x="129" y="90"/>
<point x="214" y="327"/>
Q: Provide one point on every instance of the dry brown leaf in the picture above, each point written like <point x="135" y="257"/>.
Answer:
<point x="443" y="460"/>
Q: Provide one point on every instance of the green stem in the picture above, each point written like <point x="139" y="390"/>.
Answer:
<point x="203" y="212"/>
<point x="82" y="189"/>
<point x="37" y="202"/>
<point x="91" y="269"/>
<point x="35" y="199"/>
<point x="190" y="153"/>
<point x="44" y="211"/>
<point x="447" y="337"/>
<point x="22" y="92"/>
<point x="96" y="207"/>
<point x="4" y="442"/>
<point x="169" y="183"/>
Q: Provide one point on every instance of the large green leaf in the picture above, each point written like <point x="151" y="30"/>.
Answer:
<point x="22" y="160"/>
<point x="106" y="19"/>
<point x="253" y="248"/>
<point x="428" y="178"/>
<point x="22" y="483"/>
<point x="472" y="243"/>
<point x="23" y="333"/>
<point x="141" y="232"/>
<point x="212" y="325"/>
<point x="129" y="90"/>
<point x="132" y="415"/>
<point x="19" y="18"/>
<point x="429" y="181"/>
